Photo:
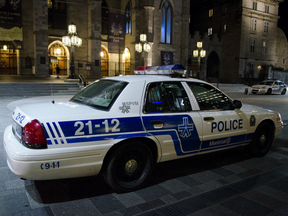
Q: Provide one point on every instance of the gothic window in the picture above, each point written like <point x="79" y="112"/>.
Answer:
<point x="254" y="24"/>
<point x="209" y="31"/>
<point x="224" y="9"/>
<point x="166" y="23"/>
<point x="264" y="48"/>
<point x="104" y="18"/>
<point x="266" y="27"/>
<point x="254" y="5"/>
<point x="266" y="8"/>
<point x="224" y="27"/>
<point x="252" y="45"/>
<point x="57" y="14"/>
<point x="211" y="13"/>
<point x="128" y="18"/>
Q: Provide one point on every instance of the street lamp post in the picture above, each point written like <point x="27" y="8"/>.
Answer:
<point x="143" y="46"/>
<point x="199" y="53"/>
<point x="72" y="40"/>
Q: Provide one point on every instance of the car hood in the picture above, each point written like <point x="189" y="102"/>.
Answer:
<point x="58" y="111"/>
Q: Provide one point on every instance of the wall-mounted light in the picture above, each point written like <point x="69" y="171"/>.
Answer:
<point x="101" y="54"/>
<point x="5" y="47"/>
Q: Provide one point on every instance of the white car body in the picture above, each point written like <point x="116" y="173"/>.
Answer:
<point x="269" y="87"/>
<point x="80" y="136"/>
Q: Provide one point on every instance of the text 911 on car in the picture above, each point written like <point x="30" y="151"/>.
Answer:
<point x="269" y="87"/>
<point x="121" y="126"/>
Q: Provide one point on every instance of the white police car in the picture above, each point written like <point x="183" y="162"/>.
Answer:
<point x="269" y="87"/>
<point x="122" y="126"/>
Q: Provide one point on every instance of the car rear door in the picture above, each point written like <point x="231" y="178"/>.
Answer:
<point x="168" y="116"/>
<point x="223" y="126"/>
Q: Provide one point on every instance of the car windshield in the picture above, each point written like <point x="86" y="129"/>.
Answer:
<point x="266" y="83"/>
<point x="100" y="94"/>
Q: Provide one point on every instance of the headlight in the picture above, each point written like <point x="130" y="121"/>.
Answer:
<point x="263" y="87"/>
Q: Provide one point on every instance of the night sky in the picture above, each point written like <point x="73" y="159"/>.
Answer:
<point x="283" y="13"/>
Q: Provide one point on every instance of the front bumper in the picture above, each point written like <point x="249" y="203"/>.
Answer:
<point x="56" y="163"/>
<point x="260" y="91"/>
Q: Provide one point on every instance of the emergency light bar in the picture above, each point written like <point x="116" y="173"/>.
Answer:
<point x="169" y="70"/>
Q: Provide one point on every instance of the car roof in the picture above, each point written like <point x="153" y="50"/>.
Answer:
<point x="150" y="78"/>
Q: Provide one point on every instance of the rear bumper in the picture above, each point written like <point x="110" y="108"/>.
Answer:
<point x="44" y="164"/>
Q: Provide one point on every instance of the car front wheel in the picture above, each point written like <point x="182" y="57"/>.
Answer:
<point x="283" y="91"/>
<point x="129" y="166"/>
<point x="262" y="140"/>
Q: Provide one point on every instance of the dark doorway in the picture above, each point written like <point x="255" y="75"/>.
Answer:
<point x="213" y="67"/>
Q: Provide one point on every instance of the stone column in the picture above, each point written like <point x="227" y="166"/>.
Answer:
<point x="41" y="64"/>
<point x="185" y="33"/>
<point x="94" y="37"/>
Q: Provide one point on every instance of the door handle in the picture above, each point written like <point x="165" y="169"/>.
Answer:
<point x="157" y="124"/>
<point x="208" y="118"/>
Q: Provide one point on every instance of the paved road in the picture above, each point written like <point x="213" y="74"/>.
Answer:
<point x="225" y="183"/>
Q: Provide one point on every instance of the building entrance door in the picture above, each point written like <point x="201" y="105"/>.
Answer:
<point x="104" y="62"/>
<point x="8" y="62"/>
<point x="57" y="56"/>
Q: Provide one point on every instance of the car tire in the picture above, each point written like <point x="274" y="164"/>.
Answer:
<point x="129" y="166"/>
<point x="269" y="91"/>
<point x="262" y="140"/>
<point x="283" y="91"/>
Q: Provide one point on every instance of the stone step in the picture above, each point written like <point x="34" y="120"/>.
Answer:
<point x="37" y="89"/>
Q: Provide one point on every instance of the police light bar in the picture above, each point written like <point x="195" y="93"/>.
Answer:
<point x="169" y="70"/>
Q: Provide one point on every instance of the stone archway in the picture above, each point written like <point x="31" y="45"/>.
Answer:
<point x="213" y="67"/>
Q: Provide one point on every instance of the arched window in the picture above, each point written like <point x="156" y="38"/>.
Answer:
<point x="128" y="18"/>
<point x="57" y="14"/>
<point x="166" y="23"/>
<point x="104" y="14"/>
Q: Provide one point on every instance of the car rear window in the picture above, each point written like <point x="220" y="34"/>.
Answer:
<point x="100" y="94"/>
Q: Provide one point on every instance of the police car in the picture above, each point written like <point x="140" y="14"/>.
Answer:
<point x="269" y="87"/>
<point x="121" y="126"/>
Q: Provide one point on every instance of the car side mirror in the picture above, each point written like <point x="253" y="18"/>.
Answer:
<point x="237" y="104"/>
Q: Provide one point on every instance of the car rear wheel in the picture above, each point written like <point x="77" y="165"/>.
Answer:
<point x="262" y="140"/>
<point x="129" y="166"/>
<point x="283" y="91"/>
<point x="269" y="91"/>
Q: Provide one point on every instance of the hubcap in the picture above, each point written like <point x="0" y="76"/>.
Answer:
<point x="262" y="140"/>
<point x="131" y="166"/>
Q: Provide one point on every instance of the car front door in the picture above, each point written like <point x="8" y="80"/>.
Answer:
<point x="275" y="87"/>
<point x="223" y="126"/>
<point x="168" y="116"/>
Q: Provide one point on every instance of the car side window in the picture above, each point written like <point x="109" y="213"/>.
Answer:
<point x="165" y="97"/>
<point x="210" y="98"/>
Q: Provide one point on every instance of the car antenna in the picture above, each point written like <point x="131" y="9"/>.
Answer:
<point x="53" y="102"/>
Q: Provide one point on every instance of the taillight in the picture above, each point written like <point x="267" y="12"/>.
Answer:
<point x="33" y="135"/>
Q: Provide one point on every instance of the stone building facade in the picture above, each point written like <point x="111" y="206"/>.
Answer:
<point x="281" y="51"/>
<point x="31" y="42"/>
<point x="239" y="36"/>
